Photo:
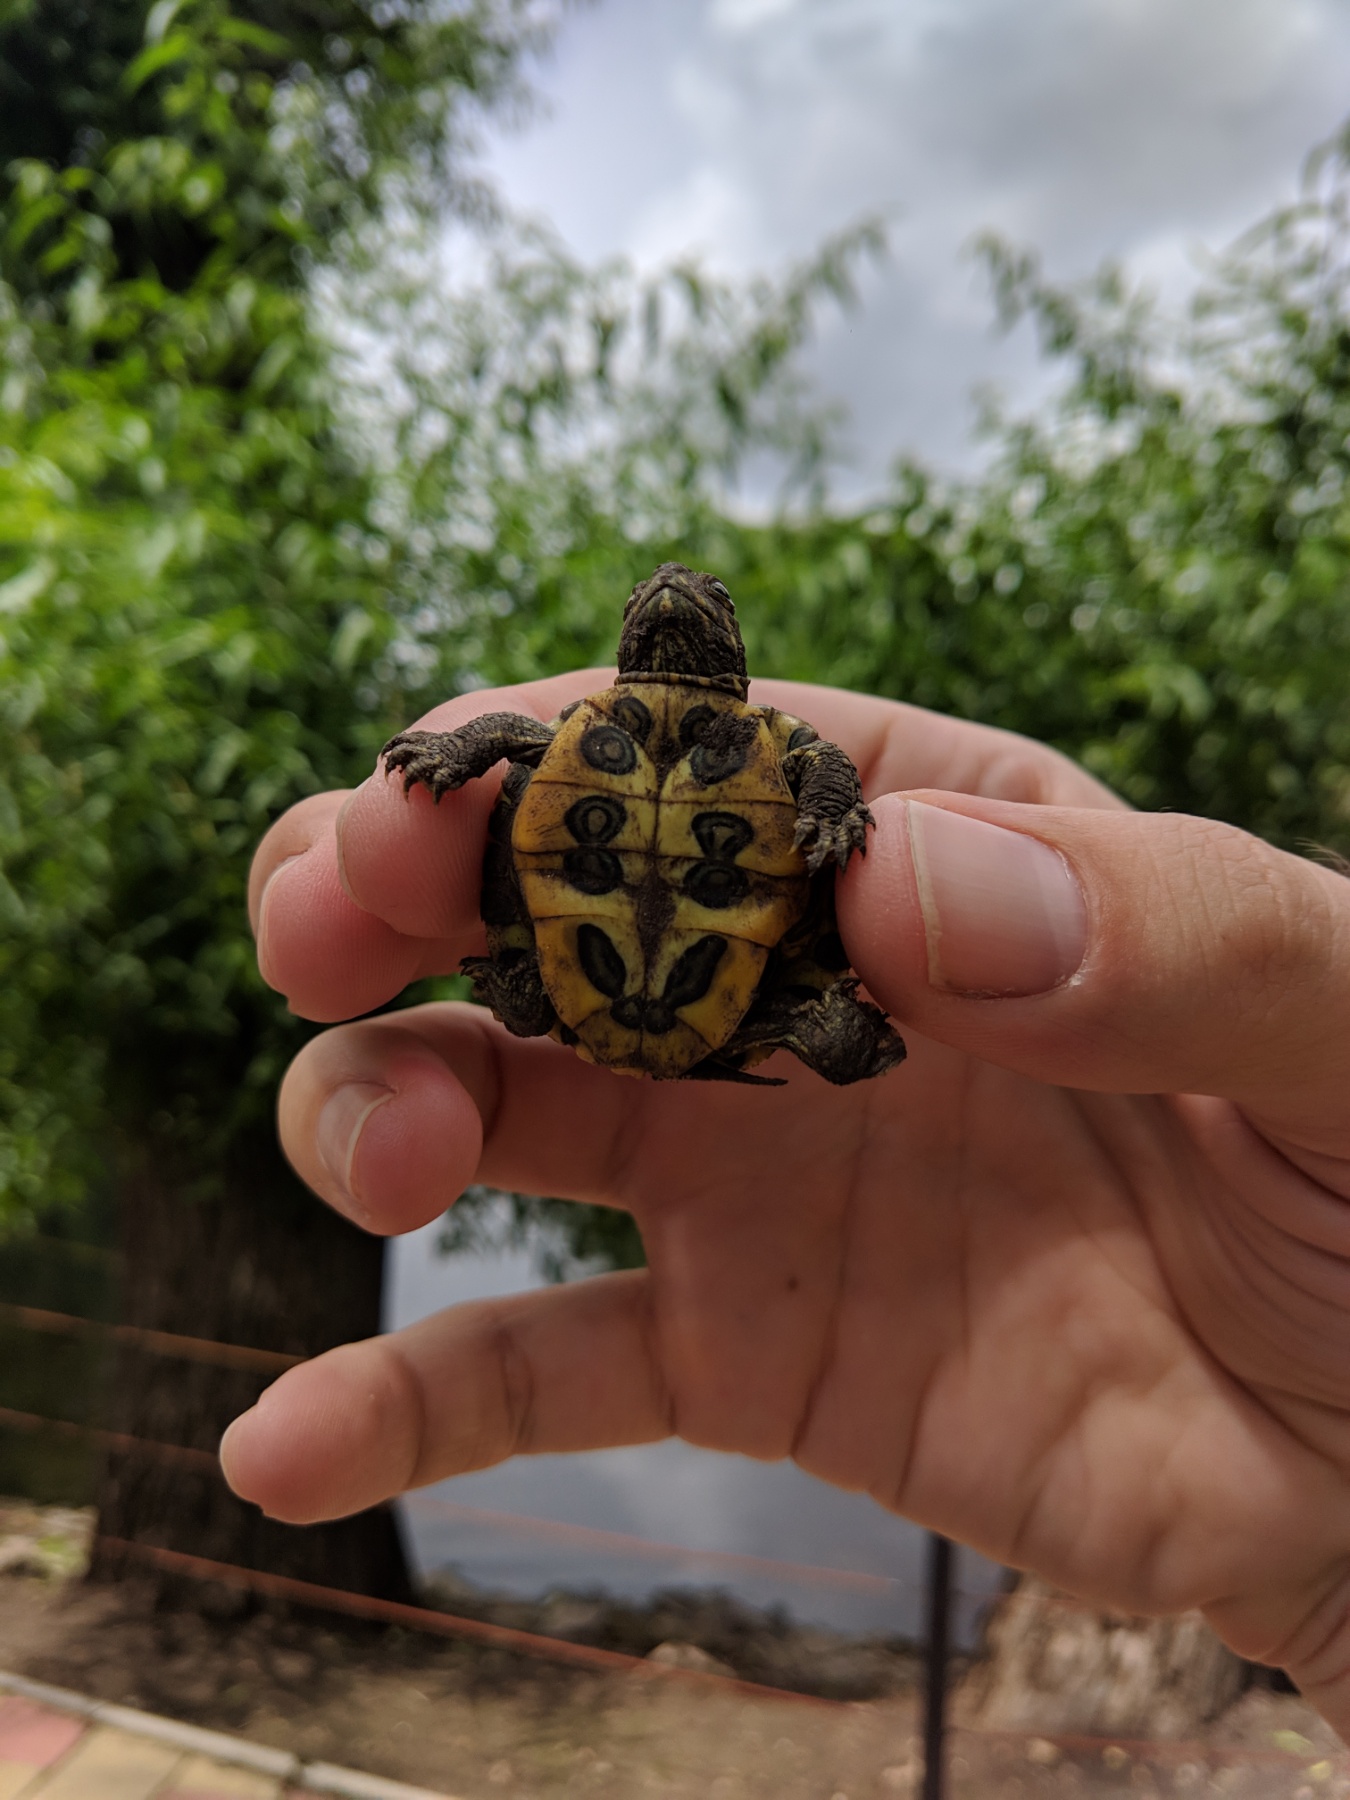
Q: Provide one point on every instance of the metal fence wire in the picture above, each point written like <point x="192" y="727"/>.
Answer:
<point x="46" y="1321"/>
<point x="940" y="1587"/>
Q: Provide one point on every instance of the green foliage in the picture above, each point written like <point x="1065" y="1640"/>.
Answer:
<point x="213" y="598"/>
<point x="193" y="596"/>
<point x="542" y="431"/>
<point x="274" y="470"/>
<point x="189" y="131"/>
<point x="1183" y="533"/>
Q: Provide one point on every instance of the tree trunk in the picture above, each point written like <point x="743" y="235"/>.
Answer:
<point x="258" y="1262"/>
<point x="1057" y="1666"/>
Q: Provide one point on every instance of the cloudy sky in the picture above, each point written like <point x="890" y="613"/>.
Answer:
<point x="749" y="129"/>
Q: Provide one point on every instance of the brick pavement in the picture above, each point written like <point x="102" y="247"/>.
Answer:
<point x="60" y="1746"/>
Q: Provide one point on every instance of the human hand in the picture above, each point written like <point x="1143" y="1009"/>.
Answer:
<point x="1071" y="1286"/>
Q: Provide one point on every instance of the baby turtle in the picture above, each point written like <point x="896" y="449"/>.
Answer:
<point x="658" y="888"/>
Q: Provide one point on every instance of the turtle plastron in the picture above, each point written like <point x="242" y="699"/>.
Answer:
<point x="657" y="887"/>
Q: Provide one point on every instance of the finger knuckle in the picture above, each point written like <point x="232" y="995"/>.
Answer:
<point x="1261" y="912"/>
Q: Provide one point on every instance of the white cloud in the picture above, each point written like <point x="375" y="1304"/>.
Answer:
<point x="704" y="215"/>
<point x="748" y="129"/>
<point x="733" y="16"/>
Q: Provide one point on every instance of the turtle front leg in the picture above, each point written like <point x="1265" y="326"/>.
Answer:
<point x="832" y="819"/>
<point x="839" y="1035"/>
<point x="442" y="760"/>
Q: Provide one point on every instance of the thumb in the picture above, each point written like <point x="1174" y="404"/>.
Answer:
<point x="1115" y="951"/>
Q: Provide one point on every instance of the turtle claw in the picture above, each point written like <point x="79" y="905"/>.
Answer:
<point x="820" y="839"/>
<point x="444" y="760"/>
<point x="429" y="759"/>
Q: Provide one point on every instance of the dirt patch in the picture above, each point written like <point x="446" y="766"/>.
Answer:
<point x="704" y="1630"/>
<point x="490" y="1725"/>
<point x="455" y="1717"/>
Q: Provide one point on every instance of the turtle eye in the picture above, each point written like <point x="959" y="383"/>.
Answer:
<point x="716" y="588"/>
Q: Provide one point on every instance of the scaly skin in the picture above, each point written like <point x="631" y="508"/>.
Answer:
<point x="834" y="819"/>
<point x="442" y="761"/>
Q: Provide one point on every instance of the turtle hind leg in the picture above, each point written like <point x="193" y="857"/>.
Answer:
<point x="510" y="983"/>
<point x="840" y="1036"/>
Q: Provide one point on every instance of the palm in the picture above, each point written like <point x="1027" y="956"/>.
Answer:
<point x="1024" y="1313"/>
<point x="945" y="1291"/>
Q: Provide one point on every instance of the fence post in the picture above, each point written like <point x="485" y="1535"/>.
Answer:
<point x="935" y="1667"/>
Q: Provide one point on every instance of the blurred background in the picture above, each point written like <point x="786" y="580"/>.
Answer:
<point x="354" y="353"/>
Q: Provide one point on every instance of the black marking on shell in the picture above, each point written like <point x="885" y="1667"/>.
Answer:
<point x="629" y="713"/>
<point x="655" y="1017"/>
<point x="694" y="724"/>
<point x="601" y="963"/>
<point x="722" y="835"/>
<point x="568" y="710"/>
<point x="596" y="819"/>
<point x="691" y="977"/>
<point x="594" y="871"/>
<point x="802" y="736"/>
<point x="688" y="981"/>
<point x="716" y="884"/>
<point x="610" y="750"/>
<point x="630" y="1012"/>
<point x="723" y="748"/>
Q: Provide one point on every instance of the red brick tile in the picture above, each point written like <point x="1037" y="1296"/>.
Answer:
<point x="31" y="1734"/>
<point x="203" y="1793"/>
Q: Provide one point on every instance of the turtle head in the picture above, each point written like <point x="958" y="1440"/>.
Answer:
<point x="679" y="622"/>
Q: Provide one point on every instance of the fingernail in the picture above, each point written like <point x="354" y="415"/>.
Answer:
<point x="1003" y="913"/>
<point x="341" y="1123"/>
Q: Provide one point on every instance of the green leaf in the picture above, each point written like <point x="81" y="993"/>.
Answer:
<point x="257" y="37"/>
<point x="156" y="57"/>
<point x="19" y="592"/>
<point x="353" y="632"/>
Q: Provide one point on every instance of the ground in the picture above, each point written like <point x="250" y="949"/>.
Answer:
<point x="486" y="1725"/>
